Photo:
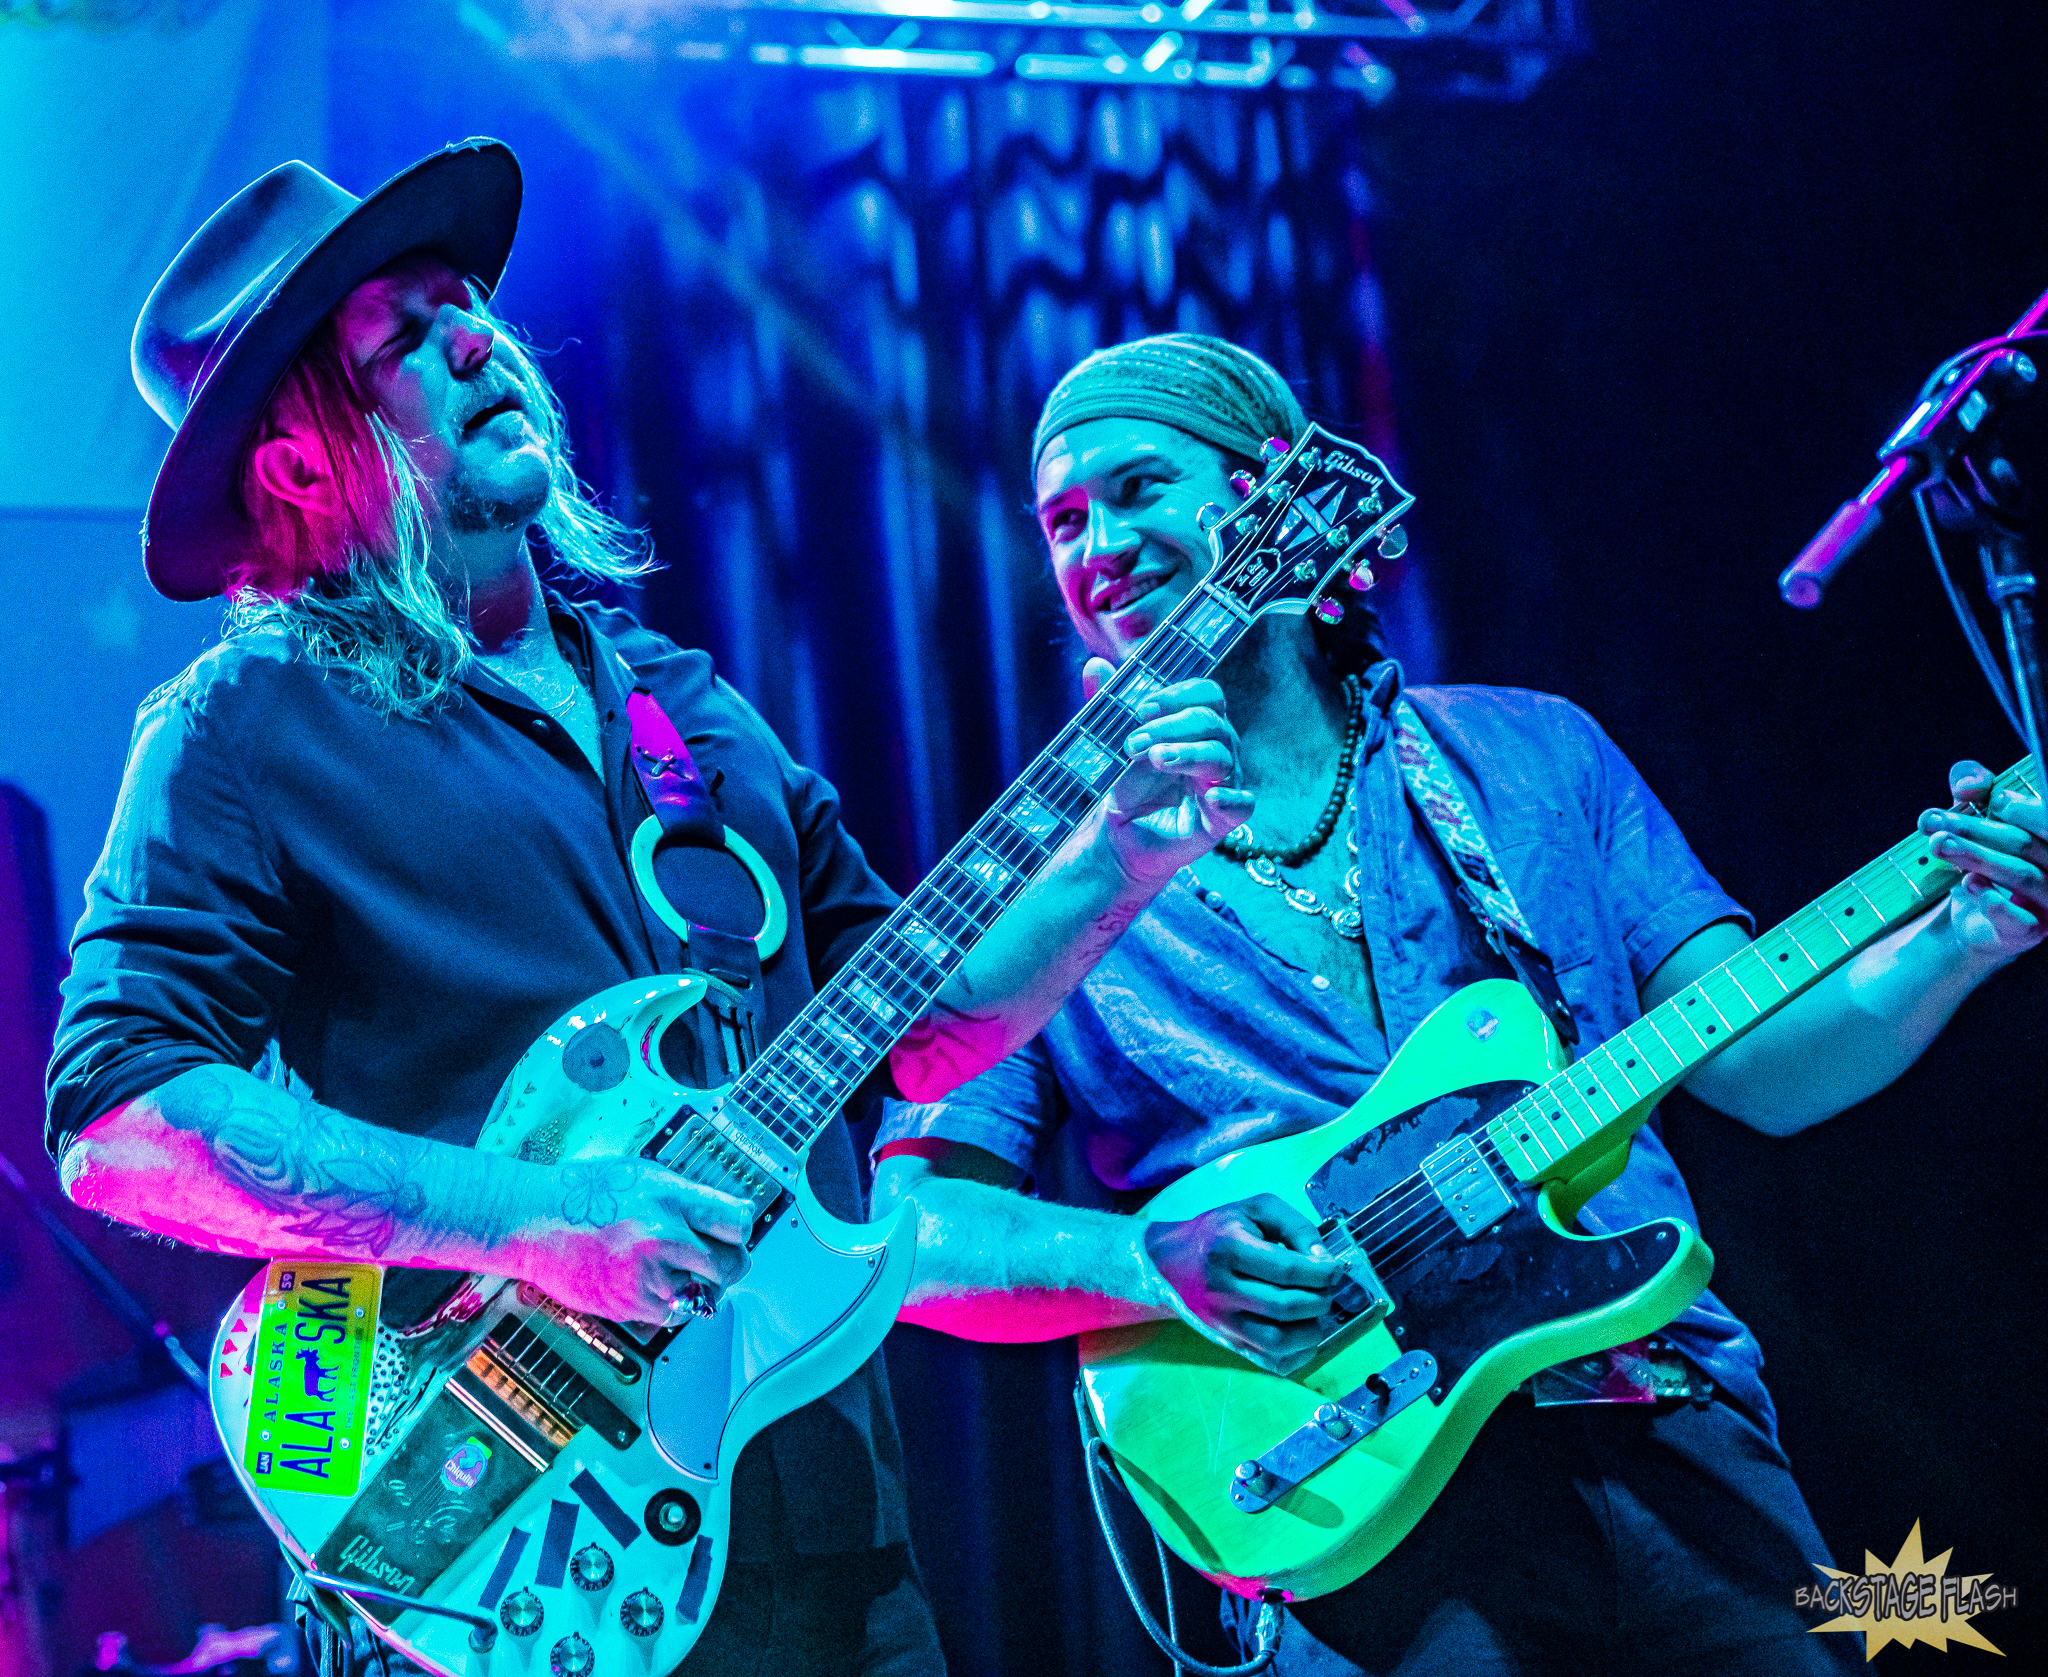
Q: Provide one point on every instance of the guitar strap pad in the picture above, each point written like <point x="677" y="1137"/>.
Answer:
<point x="684" y="843"/>
<point x="1482" y="886"/>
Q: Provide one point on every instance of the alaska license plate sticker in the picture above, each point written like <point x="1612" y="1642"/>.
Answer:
<point x="314" y="1344"/>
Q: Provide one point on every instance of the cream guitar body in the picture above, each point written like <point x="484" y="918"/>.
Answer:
<point x="566" y="1478"/>
<point x="1182" y="1415"/>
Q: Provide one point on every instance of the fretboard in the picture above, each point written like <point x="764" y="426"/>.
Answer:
<point x="816" y="1062"/>
<point x="1616" y="1082"/>
<point x="1288" y="539"/>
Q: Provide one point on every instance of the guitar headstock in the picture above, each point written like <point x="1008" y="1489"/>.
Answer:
<point x="1299" y="531"/>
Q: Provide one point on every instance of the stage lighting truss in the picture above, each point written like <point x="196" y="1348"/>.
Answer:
<point x="1467" y="48"/>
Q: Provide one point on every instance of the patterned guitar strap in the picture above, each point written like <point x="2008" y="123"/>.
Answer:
<point x="1481" y="883"/>
<point x="1643" y="1370"/>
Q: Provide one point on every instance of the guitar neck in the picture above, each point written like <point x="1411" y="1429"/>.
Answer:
<point x="811" y="1067"/>
<point x="1289" y="539"/>
<point x="1568" y="1119"/>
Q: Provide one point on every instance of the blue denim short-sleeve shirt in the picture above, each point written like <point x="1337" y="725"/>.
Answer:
<point x="1192" y="1038"/>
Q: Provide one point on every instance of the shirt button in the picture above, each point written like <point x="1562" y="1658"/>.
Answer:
<point x="539" y="724"/>
<point x="1320" y="982"/>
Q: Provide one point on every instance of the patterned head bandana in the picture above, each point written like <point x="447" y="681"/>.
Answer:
<point x="1210" y="389"/>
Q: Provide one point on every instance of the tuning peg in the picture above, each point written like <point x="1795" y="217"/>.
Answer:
<point x="1274" y="450"/>
<point x="1393" y="542"/>
<point x="1244" y="483"/>
<point x="1209" y="515"/>
<point x="1362" y="578"/>
<point x="1330" y="611"/>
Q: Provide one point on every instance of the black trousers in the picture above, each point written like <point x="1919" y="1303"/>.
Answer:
<point x="1608" y="1539"/>
<point x="857" y="1615"/>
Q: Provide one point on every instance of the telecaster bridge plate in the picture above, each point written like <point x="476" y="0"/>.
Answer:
<point x="1330" y="1431"/>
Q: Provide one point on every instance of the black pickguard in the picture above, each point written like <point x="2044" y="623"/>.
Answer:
<point x="1457" y="1297"/>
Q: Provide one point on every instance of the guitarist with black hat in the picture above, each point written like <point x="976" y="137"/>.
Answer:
<point x="375" y="841"/>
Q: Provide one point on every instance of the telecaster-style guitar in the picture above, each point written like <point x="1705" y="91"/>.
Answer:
<point x="511" y="1480"/>
<point x="1449" y="1191"/>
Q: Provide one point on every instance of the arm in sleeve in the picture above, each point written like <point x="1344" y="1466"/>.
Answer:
<point x="1837" y="1042"/>
<point x="185" y="952"/>
<point x="1657" y="887"/>
<point x="182" y="963"/>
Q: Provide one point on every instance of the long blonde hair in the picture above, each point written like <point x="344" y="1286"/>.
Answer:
<point x="356" y="594"/>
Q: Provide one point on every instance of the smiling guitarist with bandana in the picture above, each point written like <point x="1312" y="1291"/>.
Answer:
<point x="1265" y="991"/>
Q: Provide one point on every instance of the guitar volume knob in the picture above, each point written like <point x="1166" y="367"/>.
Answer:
<point x="641" y="1613"/>
<point x="521" y="1613"/>
<point x="571" y="1657"/>
<point x="591" y="1567"/>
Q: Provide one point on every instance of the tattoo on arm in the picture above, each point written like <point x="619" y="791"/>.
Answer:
<point x="334" y="1181"/>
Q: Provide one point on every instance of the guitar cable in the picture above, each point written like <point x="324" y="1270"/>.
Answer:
<point x="1101" y="1464"/>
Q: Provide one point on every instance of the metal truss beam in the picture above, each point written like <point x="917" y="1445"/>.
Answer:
<point x="1443" y="48"/>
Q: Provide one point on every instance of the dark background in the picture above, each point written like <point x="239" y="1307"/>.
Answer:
<point x="1633" y="338"/>
<point x="1649" y="327"/>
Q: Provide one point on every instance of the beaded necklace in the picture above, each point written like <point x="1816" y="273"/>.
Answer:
<point x="1263" y="862"/>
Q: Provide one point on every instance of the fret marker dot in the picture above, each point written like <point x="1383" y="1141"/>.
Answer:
<point x="1710" y="1030"/>
<point x="1629" y="1065"/>
<point x="1847" y="912"/>
<point x="1786" y="956"/>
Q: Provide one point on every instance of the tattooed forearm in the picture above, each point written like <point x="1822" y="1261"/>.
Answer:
<point x="222" y="1160"/>
<point x="1017" y="976"/>
<point x="332" y="1180"/>
<point x="225" y="1160"/>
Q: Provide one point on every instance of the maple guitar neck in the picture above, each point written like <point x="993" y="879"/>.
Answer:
<point x="1555" y="1128"/>
<point x="1292" y="537"/>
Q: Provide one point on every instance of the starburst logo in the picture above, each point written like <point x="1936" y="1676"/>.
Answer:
<point x="1913" y="1599"/>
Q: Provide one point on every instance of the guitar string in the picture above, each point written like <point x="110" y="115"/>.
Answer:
<point x="1389" y="1227"/>
<point x="1384" y="1246"/>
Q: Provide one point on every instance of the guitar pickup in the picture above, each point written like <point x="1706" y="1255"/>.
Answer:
<point x="1467" y="1186"/>
<point x="1330" y="1431"/>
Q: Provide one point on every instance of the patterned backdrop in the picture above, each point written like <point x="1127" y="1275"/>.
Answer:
<point x="841" y="309"/>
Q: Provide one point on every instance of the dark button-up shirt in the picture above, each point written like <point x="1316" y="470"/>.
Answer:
<point x="403" y="906"/>
<point x="1192" y="1038"/>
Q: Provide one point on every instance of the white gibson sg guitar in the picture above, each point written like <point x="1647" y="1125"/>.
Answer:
<point x="508" y="1483"/>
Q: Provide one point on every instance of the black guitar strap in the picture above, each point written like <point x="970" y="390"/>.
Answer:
<point x="1481" y="884"/>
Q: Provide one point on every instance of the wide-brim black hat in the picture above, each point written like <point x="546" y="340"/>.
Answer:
<point x="239" y="302"/>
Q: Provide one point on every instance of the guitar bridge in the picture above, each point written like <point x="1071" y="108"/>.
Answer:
<point x="1330" y="1431"/>
<point x="1362" y="1299"/>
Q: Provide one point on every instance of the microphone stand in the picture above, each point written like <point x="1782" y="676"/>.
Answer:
<point x="153" y="1338"/>
<point x="1950" y="440"/>
<point x="1994" y="498"/>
